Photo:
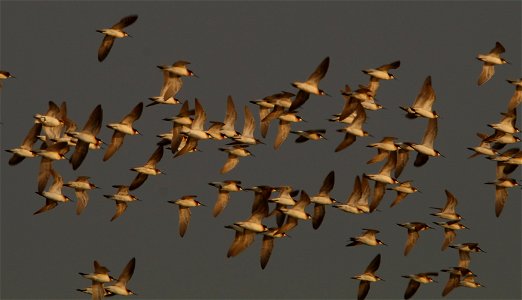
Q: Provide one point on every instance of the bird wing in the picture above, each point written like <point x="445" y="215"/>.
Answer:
<point x="184" y="219"/>
<point x="116" y="142"/>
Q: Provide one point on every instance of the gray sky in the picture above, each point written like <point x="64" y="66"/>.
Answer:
<point x="251" y="50"/>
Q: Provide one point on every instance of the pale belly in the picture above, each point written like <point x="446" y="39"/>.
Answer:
<point x="54" y="196"/>
<point x="122" y="128"/>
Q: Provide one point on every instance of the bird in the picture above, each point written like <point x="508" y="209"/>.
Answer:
<point x="52" y="121"/>
<point x="224" y="189"/>
<point x="81" y="185"/>
<point x="455" y="273"/>
<point x="261" y="195"/>
<point x="181" y="120"/>
<point x="415" y="281"/>
<point x="516" y="99"/>
<point x="267" y="246"/>
<point x="246" y="231"/>
<point x="98" y="278"/>
<point x="387" y="144"/>
<point x="464" y="250"/>
<point x="448" y="212"/>
<point x="121" y="129"/>
<point x="382" y="71"/>
<point x="234" y="153"/>
<point x="172" y="82"/>
<point x="368" y="237"/>
<point x="25" y="150"/>
<point x="116" y="31"/>
<point x="403" y="189"/>
<point x="120" y="287"/>
<point x="54" y="195"/>
<point x="382" y="179"/>
<point x="469" y="282"/>
<point x="228" y="126"/>
<point x="449" y="231"/>
<point x="322" y="199"/>
<point x="285" y="198"/>
<point x="357" y="202"/>
<point x="285" y="122"/>
<point x="86" y="136"/>
<point x="508" y="123"/>
<point x="184" y="204"/>
<point x="122" y="197"/>
<point x="367" y="277"/>
<point x="483" y="148"/>
<point x="413" y="233"/>
<point x="425" y="149"/>
<point x="196" y="130"/>
<point x="297" y="212"/>
<point x="3" y="76"/>
<point x="354" y="130"/>
<point x="247" y="135"/>
<point x="490" y="60"/>
<point x="309" y="135"/>
<point x="502" y="183"/>
<point x="310" y="86"/>
<point x="148" y="169"/>
<point x="422" y="107"/>
<point x="49" y="154"/>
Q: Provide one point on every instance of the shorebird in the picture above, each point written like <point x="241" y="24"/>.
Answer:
<point x="52" y="121"/>
<point x="81" y="185"/>
<point x="116" y="31"/>
<point x="449" y="231"/>
<point x="25" y="150"/>
<point x="86" y="136"/>
<point x="227" y="129"/>
<point x="357" y="202"/>
<point x="184" y="204"/>
<point x="148" y="169"/>
<point x="382" y="179"/>
<point x="234" y="153"/>
<point x="297" y="212"/>
<point x="490" y="60"/>
<point x="516" y="99"/>
<point x="98" y="278"/>
<point x="502" y="183"/>
<point x="121" y="129"/>
<point x="464" y="250"/>
<point x="285" y="122"/>
<point x="181" y="122"/>
<point x="382" y="71"/>
<point x="54" y="195"/>
<point x="448" y="212"/>
<point x="469" y="282"/>
<point x="425" y="149"/>
<point x="403" y="189"/>
<point x="483" y="148"/>
<point x="309" y="135"/>
<point x="245" y="232"/>
<point x="224" y="189"/>
<point x="49" y="154"/>
<point x="269" y="237"/>
<point x="415" y="281"/>
<point x="368" y="237"/>
<point x="508" y="123"/>
<point x="422" y="107"/>
<point x="276" y="102"/>
<point x="285" y="198"/>
<point x="122" y="197"/>
<point x="310" y="86"/>
<point x="386" y="145"/>
<point x="120" y="287"/>
<point x="172" y="82"/>
<point x="367" y="277"/>
<point x="261" y="195"/>
<point x="3" y="76"/>
<point x="455" y="273"/>
<point x="354" y="130"/>
<point x="196" y="130"/>
<point x="322" y="199"/>
<point x="413" y="233"/>
<point x="247" y="136"/>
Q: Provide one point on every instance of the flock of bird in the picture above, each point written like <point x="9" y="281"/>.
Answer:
<point x="59" y="134"/>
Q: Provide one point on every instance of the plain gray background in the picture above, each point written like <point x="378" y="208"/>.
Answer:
<point x="251" y="50"/>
